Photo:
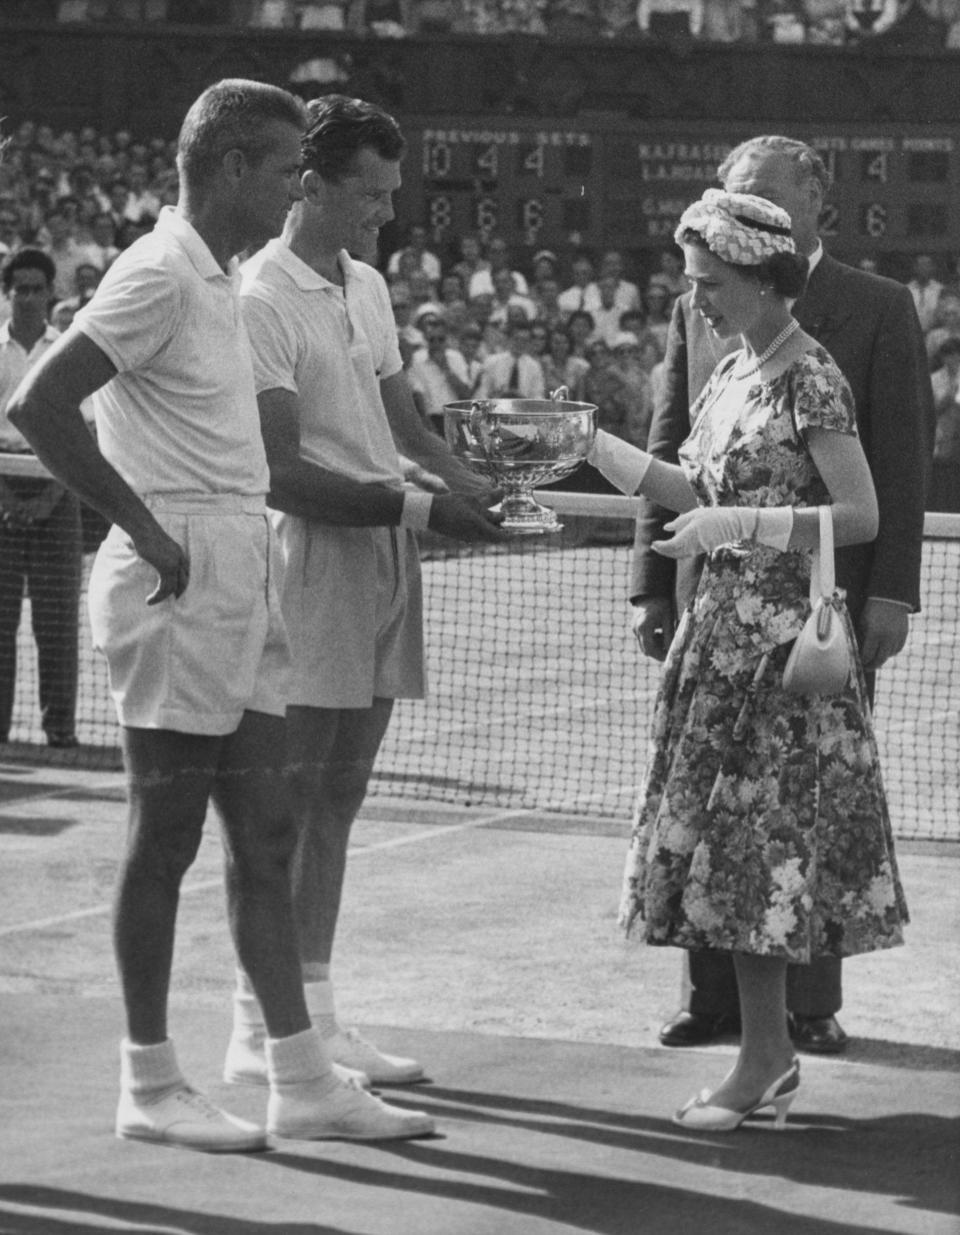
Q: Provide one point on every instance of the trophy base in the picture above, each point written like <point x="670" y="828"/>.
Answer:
<point x="525" y="517"/>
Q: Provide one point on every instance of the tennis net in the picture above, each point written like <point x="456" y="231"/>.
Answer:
<point x="540" y="700"/>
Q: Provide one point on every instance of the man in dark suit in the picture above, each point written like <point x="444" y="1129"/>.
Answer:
<point x="870" y="327"/>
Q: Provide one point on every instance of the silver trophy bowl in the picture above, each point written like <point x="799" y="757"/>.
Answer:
<point x="519" y="444"/>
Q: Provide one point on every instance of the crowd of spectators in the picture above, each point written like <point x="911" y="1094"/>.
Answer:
<point x="476" y="320"/>
<point x="782" y="21"/>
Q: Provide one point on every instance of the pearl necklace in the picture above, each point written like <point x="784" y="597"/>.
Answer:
<point x="775" y="346"/>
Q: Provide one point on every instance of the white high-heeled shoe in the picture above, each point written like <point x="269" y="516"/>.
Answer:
<point x="700" y="1116"/>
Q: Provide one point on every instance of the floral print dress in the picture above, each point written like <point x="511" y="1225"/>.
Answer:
<point x="762" y="825"/>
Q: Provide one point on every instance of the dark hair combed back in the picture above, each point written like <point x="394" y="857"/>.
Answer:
<point x="785" y="272"/>
<point x="340" y="128"/>
<point x="806" y="161"/>
<point x="28" y="259"/>
<point x="232" y="115"/>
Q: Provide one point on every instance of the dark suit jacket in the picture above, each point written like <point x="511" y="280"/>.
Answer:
<point x="869" y="325"/>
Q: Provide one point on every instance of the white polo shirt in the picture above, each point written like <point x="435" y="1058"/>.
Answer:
<point x="15" y="361"/>
<point x="181" y="414"/>
<point x="309" y="335"/>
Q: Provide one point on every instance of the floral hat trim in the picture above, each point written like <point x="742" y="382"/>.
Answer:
<point x="738" y="227"/>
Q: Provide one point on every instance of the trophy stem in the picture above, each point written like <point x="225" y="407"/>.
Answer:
<point x="524" y="516"/>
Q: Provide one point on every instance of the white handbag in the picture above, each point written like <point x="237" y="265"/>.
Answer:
<point x="821" y="661"/>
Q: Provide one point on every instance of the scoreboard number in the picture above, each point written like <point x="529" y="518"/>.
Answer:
<point x="437" y="160"/>
<point x="829" y="224"/>
<point x="873" y="220"/>
<point x="873" y="166"/>
<point x="530" y="218"/>
<point x="487" y="162"/>
<point x="532" y="162"/>
<point x="440" y="213"/>
<point x="486" y="214"/>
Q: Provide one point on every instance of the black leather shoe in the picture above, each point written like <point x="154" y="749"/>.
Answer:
<point x="695" y="1029"/>
<point x="820" y="1035"/>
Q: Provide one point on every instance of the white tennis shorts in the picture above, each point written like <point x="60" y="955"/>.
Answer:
<point x="353" y="606"/>
<point x="197" y="662"/>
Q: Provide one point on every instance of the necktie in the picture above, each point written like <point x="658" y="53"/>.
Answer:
<point x="514" y="383"/>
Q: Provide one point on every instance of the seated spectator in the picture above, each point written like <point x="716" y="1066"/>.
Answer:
<point x="453" y="302"/>
<point x="438" y="374"/>
<point x="606" y="312"/>
<point x="626" y="295"/>
<point x="471" y="260"/>
<point x="618" y="19"/>
<point x="784" y="23"/>
<point x="423" y="292"/>
<point x="470" y="344"/>
<point x="580" y="326"/>
<point x="925" y="288"/>
<point x="514" y="373"/>
<point x="505" y="298"/>
<point x="66" y="252"/>
<point x="493" y="335"/>
<point x="409" y="337"/>
<point x="543" y="266"/>
<point x="133" y="229"/>
<point x="657" y="302"/>
<point x="10" y="238"/>
<point x="505" y="16"/>
<point x="578" y="19"/>
<point x="945" y="379"/>
<point x="498" y="255"/>
<point x="420" y="257"/>
<point x="669" y="272"/>
<point x="670" y="18"/>
<point x="546" y="302"/>
<point x="574" y="297"/>
<point x="387" y="19"/>
<point x="141" y="199"/>
<point x="538" y="339"/>
<point x="947" y="324"/>
<point x="729" y="21"/>
<point x="560" y="366"/>
<point x="86" y="279"/>
<point x="637" y="392"/>
<point x="103" y="240"/>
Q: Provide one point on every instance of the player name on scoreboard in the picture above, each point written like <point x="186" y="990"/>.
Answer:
<point x="612" y="183"/>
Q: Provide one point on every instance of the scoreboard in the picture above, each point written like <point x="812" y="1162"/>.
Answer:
<point x="612" y="184"/>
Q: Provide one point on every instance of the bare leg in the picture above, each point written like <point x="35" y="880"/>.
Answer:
<point x="169" y="776"/>
<point x="765" y="1046"/>
<point x="258" y="831"/>
<point x="331" y="754"/>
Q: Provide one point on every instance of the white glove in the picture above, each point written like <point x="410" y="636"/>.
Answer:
<point x="623" y="465"/>
<point x="706" y="528"/>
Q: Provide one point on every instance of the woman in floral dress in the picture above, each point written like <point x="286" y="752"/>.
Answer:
<point x="761" y="827"/>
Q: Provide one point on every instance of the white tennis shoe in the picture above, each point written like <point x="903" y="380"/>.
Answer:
<point x="186" y="1118"/>
<point x="311" y="1111"/>
<point x="348" y="1049"/>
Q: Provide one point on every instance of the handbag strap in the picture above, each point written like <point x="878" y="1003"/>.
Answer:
<point x="822" y="576"/>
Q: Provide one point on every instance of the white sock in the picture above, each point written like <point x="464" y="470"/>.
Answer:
<point x="300" y="1059"/>
<point x="149" y="1071"/>
<point x="320" y="1005"/>
<point x="247" y="1014"/>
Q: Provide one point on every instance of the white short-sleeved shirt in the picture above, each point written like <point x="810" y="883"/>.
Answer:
<point x="310" y="336"/>
<point x="181" y="414"/>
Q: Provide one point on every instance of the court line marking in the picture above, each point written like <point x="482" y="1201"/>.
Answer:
<point x="206" y="885"/>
